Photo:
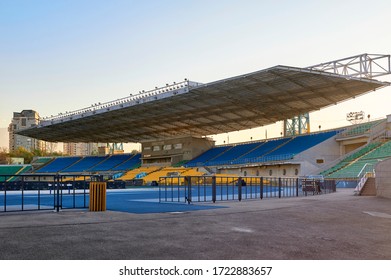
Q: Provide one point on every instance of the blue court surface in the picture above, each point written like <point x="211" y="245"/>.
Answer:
<point x="147" y="201"/>
<point x="136" y="200"/>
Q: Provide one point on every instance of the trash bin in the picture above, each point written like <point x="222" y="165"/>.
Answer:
<point x="97" y="196"/>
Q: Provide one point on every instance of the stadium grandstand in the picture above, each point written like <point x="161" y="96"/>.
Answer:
<point x="7" y="171"/>
<point x="362" y="145"/>
<point x="173" y="123"/>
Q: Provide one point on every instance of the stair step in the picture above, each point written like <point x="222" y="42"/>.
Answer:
<point x="369" y="188"/>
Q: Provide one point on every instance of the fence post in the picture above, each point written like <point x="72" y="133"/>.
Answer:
<point x="160" y="195"/>
<point x="297" y="186"/>
<point x="279" y="187"/>
<point x="22" y="193"/>
<point x="214" y="192"/>
<point x="57" y="182"/>
<point x="240" y="188"/>
<point x="261" y="190"/>
<point x="5" y="194"/>
<point x="189" y="194"/>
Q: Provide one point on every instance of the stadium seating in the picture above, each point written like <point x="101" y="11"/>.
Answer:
<point x="233" y="153"/>
<point x="301" y="143"/>
<point x="120" y="162"/>
<point x="383" y="151"/>
<point x="85" y="164"/>
<point x="360" y="128"/>
<point x="42" y="160"/>
<point x="58" y="164"/>
<point x="131" y="163"/>
<point x="269" y="150"/>
<point x="263" y="149"/>
<point x="111" y="162"/>
<point x="154" y="173"/>
<point x="132" y="174"/>
<point x="25" y="169"/>
<point x="208" y="155"/>
<point x="166" y="171"/>
<point x="352" y="170"/>
<point x="352" y="157"/>
<point x="9" y="170"/>
<point x="192" y="172"/>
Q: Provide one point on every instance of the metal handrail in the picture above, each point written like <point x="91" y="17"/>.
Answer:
<point x="363" y="176"/>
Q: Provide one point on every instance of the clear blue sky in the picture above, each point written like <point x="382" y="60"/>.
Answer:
<point x="57" y="56"/>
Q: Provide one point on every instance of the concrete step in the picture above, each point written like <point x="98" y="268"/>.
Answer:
<point x="369" y="188"/>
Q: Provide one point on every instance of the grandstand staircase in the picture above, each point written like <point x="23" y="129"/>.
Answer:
<point x="99" y="163"/>
<point x="81" y="158"/>
<point x="223" y="152"/>
<point x="245" y="154"/>
<point x="24" y="169"/>
<point x="369" y="188"/>
<point x="129" y="159"/>
<point x="279" y="146"/>
<point x="40" y="162"/>
<point x="209" y="169"/>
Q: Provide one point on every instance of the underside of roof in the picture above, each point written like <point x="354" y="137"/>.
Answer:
<point x="247" y="101"/>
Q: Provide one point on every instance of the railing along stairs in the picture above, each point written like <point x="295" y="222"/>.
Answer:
<point x="368" y="171"/>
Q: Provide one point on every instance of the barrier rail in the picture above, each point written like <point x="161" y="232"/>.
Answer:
<point x="366" y="172"/>
<point x="44" y="192"/>
<point x="191" y="189"/>
<point x="271" y="158"/>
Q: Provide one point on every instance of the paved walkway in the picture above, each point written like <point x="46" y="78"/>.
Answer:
<point x="333" y="226"/>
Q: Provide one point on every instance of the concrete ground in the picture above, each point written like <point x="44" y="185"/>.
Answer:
<point x="333" y="226"/>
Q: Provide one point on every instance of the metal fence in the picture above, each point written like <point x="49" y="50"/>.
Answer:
<point x="44" y="192"/>
<point x="190" y="189"/>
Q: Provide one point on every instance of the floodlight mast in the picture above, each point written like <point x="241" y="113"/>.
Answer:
<point x="365" y="65"/>
<point x="355" y="117"/>
<point x="297" y="125"/>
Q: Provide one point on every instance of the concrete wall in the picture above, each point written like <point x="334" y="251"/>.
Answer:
<point x="383" y="178"/>
<point x="277" y="170"/>
<point x="315" y="158"/>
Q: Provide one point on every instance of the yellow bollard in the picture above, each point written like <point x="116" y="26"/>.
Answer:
<point x="97" y="196"/>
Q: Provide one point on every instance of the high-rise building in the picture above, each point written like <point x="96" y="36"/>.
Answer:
<point x="22" y="120"/>
<point x="80" y="149"/>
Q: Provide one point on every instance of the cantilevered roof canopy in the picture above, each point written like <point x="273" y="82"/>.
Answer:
<point x="247" y="101"/>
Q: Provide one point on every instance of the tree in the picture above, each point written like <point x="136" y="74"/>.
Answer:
<point x="29" y="155"/>
<point x="3" y="155"/>
<point x="21" y="152"/>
